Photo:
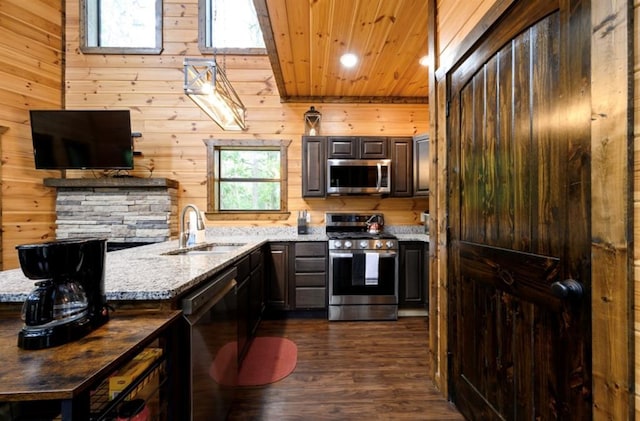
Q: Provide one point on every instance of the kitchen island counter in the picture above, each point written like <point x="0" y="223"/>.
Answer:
<point x="148" y="273"/>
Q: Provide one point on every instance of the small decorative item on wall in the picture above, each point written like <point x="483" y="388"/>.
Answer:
<point x="312" y="119"/>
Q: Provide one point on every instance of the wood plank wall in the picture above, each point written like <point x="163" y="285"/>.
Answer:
<point x="31" y="74"/>
<point x="173" y="128"/>
<point x="611" y="212"/>
<point x="636" y="201"/>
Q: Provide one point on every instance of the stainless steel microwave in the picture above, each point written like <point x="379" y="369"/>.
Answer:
<point x="358" y="176"/>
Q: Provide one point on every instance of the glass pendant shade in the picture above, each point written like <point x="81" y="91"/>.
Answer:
<point x="207" y="85"/>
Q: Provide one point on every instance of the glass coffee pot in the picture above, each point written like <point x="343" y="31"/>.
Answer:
<point x="69" y="300"/>
<point x="52" y="303"/>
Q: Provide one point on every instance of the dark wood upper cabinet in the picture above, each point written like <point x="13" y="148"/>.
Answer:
<point x="421" y="164"/>
<point x="317" y="149"/>
<point x="401" y="166"/>
<point x="342" y="147"/>
<point x="353" y="147"/>
<point x="314" y="166"/>
<point x="374" y="147"/>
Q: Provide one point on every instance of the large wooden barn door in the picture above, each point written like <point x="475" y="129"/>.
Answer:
<point x="519" y="224"/>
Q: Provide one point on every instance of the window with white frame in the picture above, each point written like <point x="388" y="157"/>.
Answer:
<point x="247" y="177"/>
<point x="229" y="27"/>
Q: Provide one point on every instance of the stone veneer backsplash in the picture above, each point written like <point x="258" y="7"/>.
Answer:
<point x="120" y="214"/>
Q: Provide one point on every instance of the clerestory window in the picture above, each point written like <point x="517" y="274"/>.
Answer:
<point x="121" y="26"/>
<point x="229" y="27"/>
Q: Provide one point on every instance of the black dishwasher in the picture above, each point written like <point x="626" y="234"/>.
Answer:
<point x="211" y="312"/>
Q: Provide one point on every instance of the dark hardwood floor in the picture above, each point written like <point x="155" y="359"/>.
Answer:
<point x="349" y="371"/>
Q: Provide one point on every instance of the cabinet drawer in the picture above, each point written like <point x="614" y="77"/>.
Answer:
<point x="310" y="264"/>
<point x="310" y="297"/>
<point x="311" y="280"/>
<point x="311" y="249"/>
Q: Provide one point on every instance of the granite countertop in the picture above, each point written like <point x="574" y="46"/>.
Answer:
<point x="146" y="273"/>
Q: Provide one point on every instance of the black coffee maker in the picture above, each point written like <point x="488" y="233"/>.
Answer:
<point x="69" y="300"/>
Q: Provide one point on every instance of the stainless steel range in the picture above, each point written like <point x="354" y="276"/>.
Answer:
<point x="363" y="268"/>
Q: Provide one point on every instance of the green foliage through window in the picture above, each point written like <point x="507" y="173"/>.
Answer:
<point x="249" y="179"/>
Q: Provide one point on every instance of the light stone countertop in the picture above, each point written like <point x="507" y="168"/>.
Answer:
<point x="146" y="273"/>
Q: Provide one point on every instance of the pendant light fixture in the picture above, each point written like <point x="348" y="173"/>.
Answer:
<point x="207" y="85"/>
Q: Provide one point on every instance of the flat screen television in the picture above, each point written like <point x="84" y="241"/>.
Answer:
<point x="82" y="139"/>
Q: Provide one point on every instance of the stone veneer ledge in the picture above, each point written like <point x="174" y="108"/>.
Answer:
<point x="123" y="210"/>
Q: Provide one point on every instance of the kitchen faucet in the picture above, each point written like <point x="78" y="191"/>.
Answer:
<point x="184" y="234"/>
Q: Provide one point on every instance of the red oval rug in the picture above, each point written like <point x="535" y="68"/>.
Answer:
<point x="269" y="359"/>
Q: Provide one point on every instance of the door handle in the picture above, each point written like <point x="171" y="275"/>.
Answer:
<point x="569" y="289"/>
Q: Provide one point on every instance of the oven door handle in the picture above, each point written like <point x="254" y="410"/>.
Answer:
<point x="379" y="180"/>
<point x="334" y="254"/>
<point x="384" y="254"/>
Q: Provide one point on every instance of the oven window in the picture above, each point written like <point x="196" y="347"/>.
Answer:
<point x="347" y="279"/>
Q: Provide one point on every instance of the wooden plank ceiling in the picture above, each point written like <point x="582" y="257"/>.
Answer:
<point x="305" y="39"/>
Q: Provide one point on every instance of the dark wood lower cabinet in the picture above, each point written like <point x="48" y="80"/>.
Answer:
<point x="296" y="276"/>
<point x="243" y="317"/>
<point x="310" y="275"/>
<point x="413" y="272"/>
<point x="278" y="296"/>
<point x="256" y="290"/>
<point x="250" y="296"/>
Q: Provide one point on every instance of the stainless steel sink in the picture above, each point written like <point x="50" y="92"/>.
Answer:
<point x="208" y="248"/>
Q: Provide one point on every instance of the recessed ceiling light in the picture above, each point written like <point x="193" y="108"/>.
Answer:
<point x="424" y="61"/>
<point x="349" y="60"/>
